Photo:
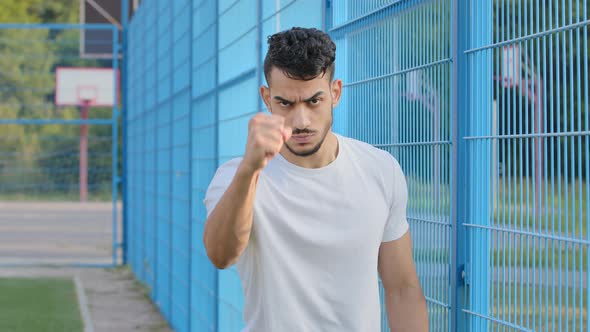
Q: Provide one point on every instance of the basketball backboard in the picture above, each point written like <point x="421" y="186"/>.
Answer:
<point x="84" y="86"/>
<point x="98" y="44"/>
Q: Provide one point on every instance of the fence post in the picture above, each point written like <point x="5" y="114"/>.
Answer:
<point x="460" y="157"/>
<point x="216" y="142"/>
<point x="124" y="23"/>
<point x="480" y="68"/>
<point x="190" y="169"/>
<point x="115" y="138"/>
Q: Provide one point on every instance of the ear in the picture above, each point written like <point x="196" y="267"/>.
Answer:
<point x="265" y="95"/>
<point x="336" y="91"/>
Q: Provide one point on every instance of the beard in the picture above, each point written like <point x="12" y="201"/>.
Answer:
<point x="315" y="148"/>
<point x="309" y="152"/>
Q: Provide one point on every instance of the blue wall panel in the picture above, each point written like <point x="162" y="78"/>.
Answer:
<point x="495" y="152"/>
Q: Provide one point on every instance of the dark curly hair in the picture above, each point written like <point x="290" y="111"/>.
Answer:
<point x="301" y="53"/>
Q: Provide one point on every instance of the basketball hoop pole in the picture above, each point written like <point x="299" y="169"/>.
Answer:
<point x="84" y="152"/>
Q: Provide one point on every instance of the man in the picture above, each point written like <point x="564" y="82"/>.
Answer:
<point x="310" y="216"/>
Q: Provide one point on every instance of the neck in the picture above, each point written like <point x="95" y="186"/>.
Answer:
<point x="324" y="156"/>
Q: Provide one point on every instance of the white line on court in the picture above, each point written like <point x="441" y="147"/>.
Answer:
<point x="82" y="301"/>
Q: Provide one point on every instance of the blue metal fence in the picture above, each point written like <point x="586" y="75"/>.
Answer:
<point x="394" y="58"/>
<point x="485" y="107"/>
<point x="42" y="159"/>
<point x="528" y="166"/>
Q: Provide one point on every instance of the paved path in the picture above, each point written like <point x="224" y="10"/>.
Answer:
<point x="116" y="302"/>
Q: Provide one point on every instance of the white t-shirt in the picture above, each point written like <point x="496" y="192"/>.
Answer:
<point x="311" y="261"/>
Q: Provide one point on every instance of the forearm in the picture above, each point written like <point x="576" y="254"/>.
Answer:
<point x="228" y="227"/>
<point x="406" y="310"/>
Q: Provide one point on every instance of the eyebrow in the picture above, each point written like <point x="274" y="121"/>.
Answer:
<point x="287" y="101"/>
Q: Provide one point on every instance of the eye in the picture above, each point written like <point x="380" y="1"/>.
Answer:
<point x="284" y="103"/>
<point x="314" y="101"/>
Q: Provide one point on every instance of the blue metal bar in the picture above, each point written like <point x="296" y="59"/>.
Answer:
<point x="527" y="233"/>
<point x="54" y="138"/>
<point x="6" y="54"/>
<point x="571" y="163"/>
<point x="237" y="39"/>
<point x="259" y="59"/>
<point x="496" y="287"/>
<point x="438" y="303"/>
<point x="556" y="134"/>
<point x="435" y="222"/>
<point x="54" y="170"/>
<point x="525" y="38"/>
<point x="169" y="174"/>
<point x="282" y="9"/>
<point x="47" y="185"/>
<point x="74" y="264"/>
<point x="191" y="208"/>
<point x="587" y="141"/>
<point x="124" y="129"/>
<point x="579" y="181"/>
<point x="401" y="72"/>
<point x="498" y="321"/>
<point x="218" y="87"/>
<point x="459" y="155"/>
<point x="156" y="220"/>
<point x="236" y="80"/>
<point x="531" y="175"/>
<point x="32" y="41"/>
<point x="560" y="73"/>
<point x="412" y="144"/>
<point x="115" y="146"/>
<point x="545" y="295"/>
<point x="25" y="26"/>
<point x="108" y="122"/>
<point x="387" y="10"/>
<point x="232" y="5"/>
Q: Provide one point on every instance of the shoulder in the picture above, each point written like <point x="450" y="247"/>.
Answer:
<point x="371" y="156"/>
<point x="377" y="163"/>
<point x="220" y="182"/>
<point x="226" y="171"/>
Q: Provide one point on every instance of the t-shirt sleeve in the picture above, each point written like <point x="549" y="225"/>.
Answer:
<point x="397" y="224"/>
<point x="219" y="184"/>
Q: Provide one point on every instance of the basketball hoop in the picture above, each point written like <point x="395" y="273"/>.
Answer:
<point x="87" y="95"/>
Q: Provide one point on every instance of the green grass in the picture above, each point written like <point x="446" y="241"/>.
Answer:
<point x="31" y="305"/>
<point x="553" y="258"/>
<point x="539" y="308"/>
<point x="512" y="204"/>
<point x="563" y="208"/>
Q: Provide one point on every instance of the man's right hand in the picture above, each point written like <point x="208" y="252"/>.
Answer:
<point x="266" y="136"/>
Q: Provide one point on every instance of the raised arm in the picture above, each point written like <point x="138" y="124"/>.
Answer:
<point x="228" y="226"/>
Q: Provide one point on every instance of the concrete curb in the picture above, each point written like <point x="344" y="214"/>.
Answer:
<point x="83" y="303"/>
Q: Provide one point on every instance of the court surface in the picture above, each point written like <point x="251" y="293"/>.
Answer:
<point x="33" y="233"/>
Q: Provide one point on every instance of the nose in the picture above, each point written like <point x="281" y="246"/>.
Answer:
<point x="300" y="119"/>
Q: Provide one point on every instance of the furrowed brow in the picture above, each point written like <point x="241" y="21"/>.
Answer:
<point x="319" y="93"/>
<point x="281" y="99"/>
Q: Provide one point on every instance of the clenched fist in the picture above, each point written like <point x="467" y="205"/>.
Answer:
<point x="266" y="136"/>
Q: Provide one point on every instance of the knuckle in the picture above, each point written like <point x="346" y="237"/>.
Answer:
<point x="253" y="121"/>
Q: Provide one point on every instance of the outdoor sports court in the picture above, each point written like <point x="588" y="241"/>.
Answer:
<point x="57" y="233"/>
<point x="115" y="115"/>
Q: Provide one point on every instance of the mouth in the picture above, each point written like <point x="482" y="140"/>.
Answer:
<point x="302" y="139"/>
